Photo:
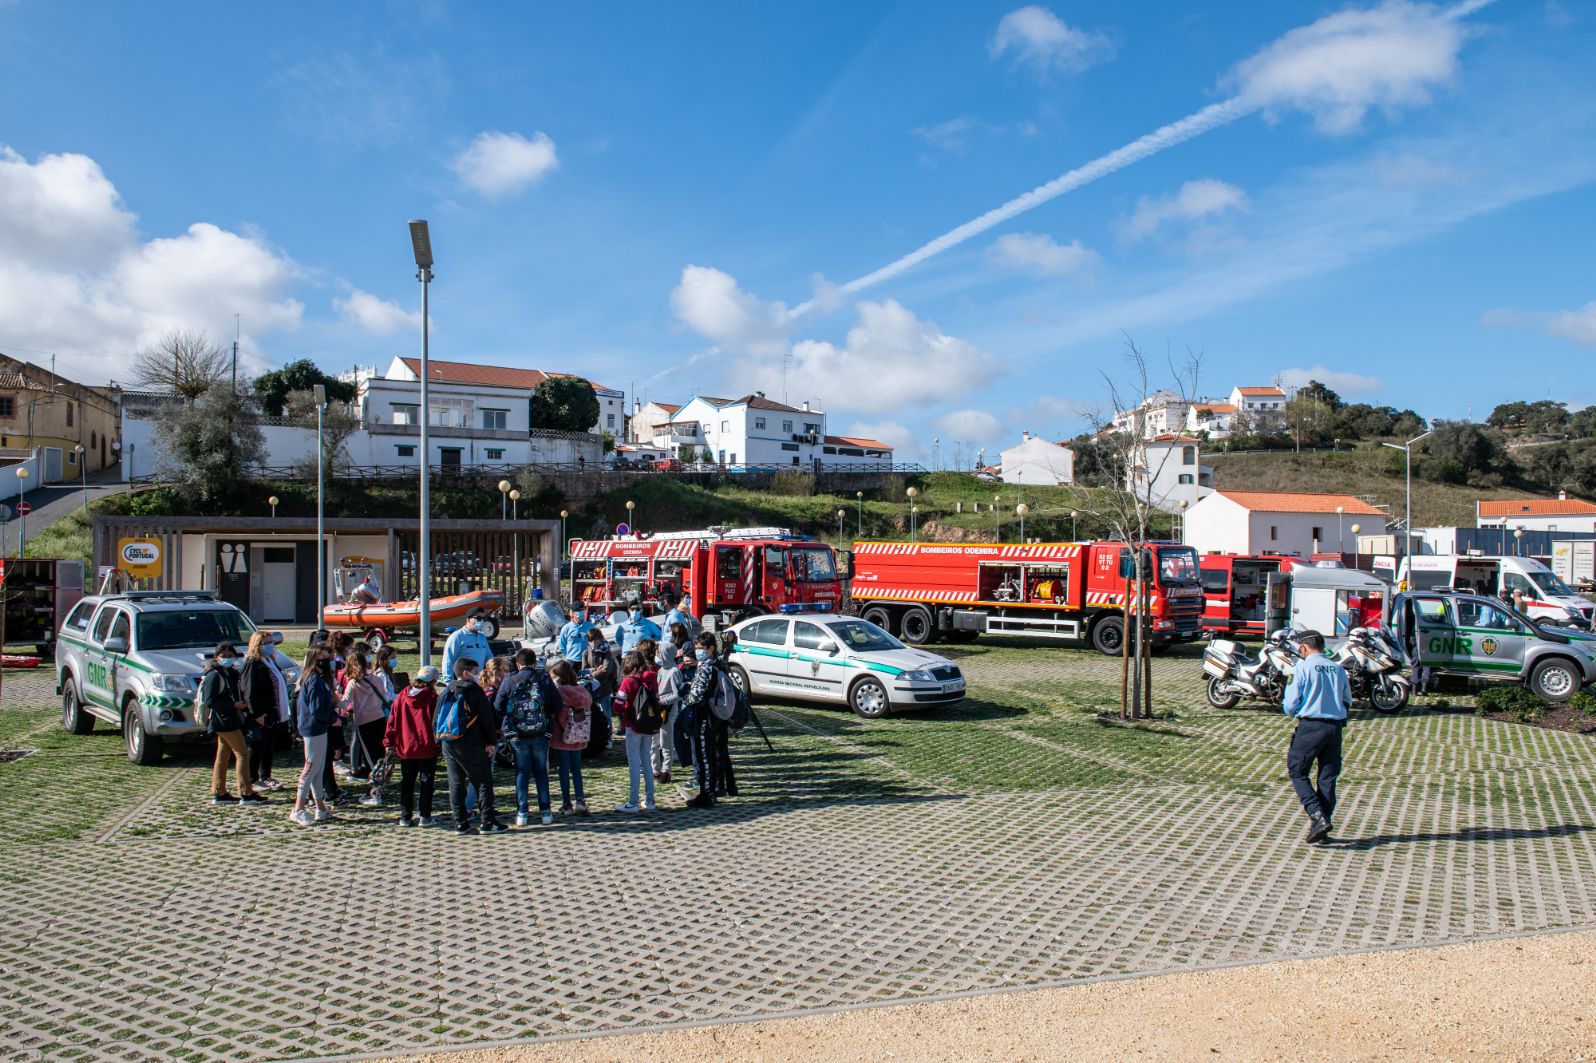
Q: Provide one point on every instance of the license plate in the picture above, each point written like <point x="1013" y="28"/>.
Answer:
<point x="948" y="688"/>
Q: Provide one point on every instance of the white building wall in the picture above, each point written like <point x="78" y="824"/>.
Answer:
<point x="1035" y="461"/>
<point x="1216" y="525"/>
<point x="1293" y="533"/>
<point x="1562" y="522"/>
<point x="1165" y="466"/>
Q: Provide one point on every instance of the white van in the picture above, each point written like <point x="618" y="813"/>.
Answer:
<point x="1546" y="598"/>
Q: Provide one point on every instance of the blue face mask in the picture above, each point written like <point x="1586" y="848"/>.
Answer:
<point x="637" y="614"/>
<point x="702" y="655"/>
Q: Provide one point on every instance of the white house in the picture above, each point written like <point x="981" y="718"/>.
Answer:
<point x="1036" y="461"/>
<point x="1560" y="514"/>
<point x="503" y="380"/>
<point x="1212" y="418"/>
<point x="1160" y="413"/>
<point x="1270" y="522"/>
<point x="1168" y="473"/>
<point x="754" y="430"/>
<point x="1260" y="406"/>
<point x="646" y="418"/>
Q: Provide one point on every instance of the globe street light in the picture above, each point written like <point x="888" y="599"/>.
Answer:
<point x="1074" y="514"/>
<point x="1022" y="509"/>
<point x="515" y="537"/>
<point x="1355" y="529"/>
<point x="504" y="499"/>
<point x="1518" y="538"/>
<point x="1184" y="504"/>
<point x="842" y="514"/>
<point x="999" y="516"/>
<point x="22" y="508"/>
<point x="913" y="493"/>
<point x="272" y="501"/>
<point x="630" y="507"/>
<point x="860" y="496"/>
<point x="1339" y="544"/>
<point x="563" y="514"/>
<point x="83" y="471"/>
<point x="421" y="244"/>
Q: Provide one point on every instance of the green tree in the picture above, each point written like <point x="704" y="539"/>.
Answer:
<point x="1582" y="425"/>
<point x="1465" y="451"/>
<point x="1315" y="392"/>
<point x="565" y="404"/>
<point x="209" y="446"/>
<point x="303" y="375"/>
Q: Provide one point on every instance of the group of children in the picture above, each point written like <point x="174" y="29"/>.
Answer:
<point x="657" y="702"/>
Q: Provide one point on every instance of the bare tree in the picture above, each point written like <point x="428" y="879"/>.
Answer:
<point x="1125" y="505"/>
<point x="338" y="422"/>
<point x="184" y="362"/>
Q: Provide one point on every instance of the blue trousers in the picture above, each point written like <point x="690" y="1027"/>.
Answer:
<point x="1316" y="740"/>
<point x="531" y="761"/>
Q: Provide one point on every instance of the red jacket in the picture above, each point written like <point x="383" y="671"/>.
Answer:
<point x="409" y="733"/>
<point x="631" y="689"/>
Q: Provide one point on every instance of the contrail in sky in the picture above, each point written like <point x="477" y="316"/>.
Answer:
<point x="1211" y="117"/>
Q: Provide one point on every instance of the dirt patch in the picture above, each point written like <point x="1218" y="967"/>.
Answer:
<point x="1459" y="1002"/>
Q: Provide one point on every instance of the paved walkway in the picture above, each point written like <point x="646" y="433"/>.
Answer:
<point x="1019" y="843"/>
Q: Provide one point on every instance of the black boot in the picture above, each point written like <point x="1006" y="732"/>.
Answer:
<point x="1318" y="830"/>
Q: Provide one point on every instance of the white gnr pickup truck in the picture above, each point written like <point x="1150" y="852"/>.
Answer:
<point x="134" y="660"/>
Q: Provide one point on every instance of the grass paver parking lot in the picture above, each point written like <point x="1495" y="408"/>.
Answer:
<point x="1018" y="839"/>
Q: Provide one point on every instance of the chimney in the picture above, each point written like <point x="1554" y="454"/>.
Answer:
<point x="1025" y="437"/>
<point x="806" y="405"/>
<point x="760" y="394"/>
<point x="637" y="407"/>
<point x="1562" y="495"/>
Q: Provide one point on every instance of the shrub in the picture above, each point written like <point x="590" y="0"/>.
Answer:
<point x="793" y="484"/>
<point x="1583" y="702"/>
<point x="1514" y="700"/>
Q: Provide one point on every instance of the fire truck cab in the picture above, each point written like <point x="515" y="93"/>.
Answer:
<point x="722" y="575"/>
<point x="927" y="591"/>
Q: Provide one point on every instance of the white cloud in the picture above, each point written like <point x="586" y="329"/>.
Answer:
<point x="1339" y="68"/>
<point x="898" y="436"/>
<point x="76" y="279"/>
<point x="890" y="360"/>
<point x="500" y="164"/>
<point x="377" y="315"/>
<point x="970" y="426"/>
<point x="1578" y="325"/>
<point x="709" y="302"/>
<point x="1342" y="383"/>
<point x="946" y="136"/>
<point x="1040" y="254"/>
<point x="1195" y="202"/>
<point x="1039" y="39"/>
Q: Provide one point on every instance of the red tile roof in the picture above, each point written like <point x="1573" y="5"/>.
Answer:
<point x="1262" y="391"/>
<point x="1215" y="407"/>
<point x="1537" y="507"/>
<point x="668" y="407"/>
<point x="1170" y="437"/>
<point x="1299" y="502"/>
<point x="859" y="441"/>
<point x="492" y="376"/>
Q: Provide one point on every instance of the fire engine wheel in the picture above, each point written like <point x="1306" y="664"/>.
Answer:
<point x="880" y="616"/>
<point x="917" y="626"/>
<point x="1218" y="700"/>
<point x="1555" y="680"/>
<point x="73" y="718"/>
<point x="1108" y="637"/>
<point x="377" y="638"/>
<point x="868" y="698"/>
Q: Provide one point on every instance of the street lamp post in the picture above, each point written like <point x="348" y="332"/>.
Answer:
<point x="83" y="471"/>
<point x="272" y="502"/>
<point x="860" y="496"/>
<point x="936" y="453"/>
<point x="1022" y="509"/>
<point x="1407" y="505"/>
<point x="842" y="514"/>
<point x="563" y="514"/>
<point x="515" y="539"/>
<point x="630" y="507"/>
<point x="320" y="394"/>
<point x="1340" y="545"/>
<point x="504" y="499"/>
<point x="22" y="509"/>
<point x="1355" y="529"/>
<point x="1185" y="503"/>
<point x="1074" y="516"/>
<point x="998" y="517"/>
<point x="1518" y="539"/>
<point x="913" y="493"/>
<point x="421" y="244"/>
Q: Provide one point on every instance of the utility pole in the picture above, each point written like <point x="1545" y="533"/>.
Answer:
<point x="237" y="329"/>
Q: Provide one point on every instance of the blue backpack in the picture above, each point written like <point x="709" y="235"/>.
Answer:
<point x="449" y="725"/>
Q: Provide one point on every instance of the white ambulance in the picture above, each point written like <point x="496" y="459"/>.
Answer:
<point x="1520" y="581"/>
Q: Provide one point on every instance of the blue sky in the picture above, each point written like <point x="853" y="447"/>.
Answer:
<point x="673" y="198"/>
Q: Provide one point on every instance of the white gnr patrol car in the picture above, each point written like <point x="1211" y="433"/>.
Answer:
<point x="134" y="660"/>
<point x="840" y="659"/>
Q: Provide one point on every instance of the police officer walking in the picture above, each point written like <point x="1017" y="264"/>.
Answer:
<point x="1318" y="696"/>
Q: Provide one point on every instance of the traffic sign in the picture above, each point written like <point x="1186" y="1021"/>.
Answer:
<point x="5" y="514"/>
<point x="622" y="528"/>
<point x="24" y="508"/>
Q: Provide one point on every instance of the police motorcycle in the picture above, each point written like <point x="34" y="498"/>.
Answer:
<point x="1374" y="663"/>
<point x="1233" y="676"/>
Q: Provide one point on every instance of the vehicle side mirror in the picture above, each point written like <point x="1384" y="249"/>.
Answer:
<point x="833" y="650"/>
<point x="277" y="638"/>
<point x="116" y="645"/>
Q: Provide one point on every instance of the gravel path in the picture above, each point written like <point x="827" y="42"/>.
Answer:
<point x="1528" y="998"/>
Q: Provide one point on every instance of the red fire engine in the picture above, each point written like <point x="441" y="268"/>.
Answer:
<point x="736" y="572"/>
<point x="1235" y="590"/>
<point x="923" y="591"/>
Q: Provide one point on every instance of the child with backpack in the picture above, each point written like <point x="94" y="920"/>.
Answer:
<point x="573" y="729"/>
<point x="706" y="701"/>
<point x="409" y="736"/>
<point x="638" y="709"/>
<point x="528" y="706"/>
